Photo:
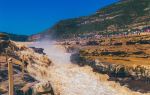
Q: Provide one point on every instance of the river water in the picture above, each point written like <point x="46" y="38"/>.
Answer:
<point x="69" y="79"/>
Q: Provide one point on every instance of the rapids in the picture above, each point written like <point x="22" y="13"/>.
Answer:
<point x="70" y="79"/>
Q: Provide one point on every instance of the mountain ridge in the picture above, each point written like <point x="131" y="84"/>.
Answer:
<point x="14" y="37"/>
<point x="113" y="19"/>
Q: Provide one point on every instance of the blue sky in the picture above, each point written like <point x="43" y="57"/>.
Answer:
<point x="33" y="16"/>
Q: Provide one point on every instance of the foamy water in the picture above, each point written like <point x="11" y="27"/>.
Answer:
<point x="55" y="52"/>
<point x="70" y="79"/>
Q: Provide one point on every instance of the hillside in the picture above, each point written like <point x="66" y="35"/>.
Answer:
<point x="116" y="18"/>
<point x="14" y="37"/>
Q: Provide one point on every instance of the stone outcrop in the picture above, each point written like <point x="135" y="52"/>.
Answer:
<point x="22" y="55"/>
<point x="136" y="72"/>
<point x="36" y="89"/>
<point x="9" y="45"/>
<point x="38" y="50"/>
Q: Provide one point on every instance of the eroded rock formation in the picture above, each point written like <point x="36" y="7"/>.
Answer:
<point x="27" y="57"/>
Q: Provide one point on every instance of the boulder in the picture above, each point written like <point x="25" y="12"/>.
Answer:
<point x="38" y="50"/>
<point x="43" y="88"/>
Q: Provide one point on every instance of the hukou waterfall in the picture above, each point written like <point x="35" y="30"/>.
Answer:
<point x="70" y="79"/>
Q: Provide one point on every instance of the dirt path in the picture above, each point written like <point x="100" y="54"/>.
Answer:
<point x="70" y="79"/>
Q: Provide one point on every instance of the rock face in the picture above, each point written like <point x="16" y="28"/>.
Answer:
<point x="22" y="55"/>
<point x="117" y="70"/>
<point x="136" y="77"/>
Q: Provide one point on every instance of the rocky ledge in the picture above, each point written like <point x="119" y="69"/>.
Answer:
<point x="25" y="60"/>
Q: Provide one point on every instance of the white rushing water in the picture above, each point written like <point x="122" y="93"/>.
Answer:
<point x="70" y="79"/>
